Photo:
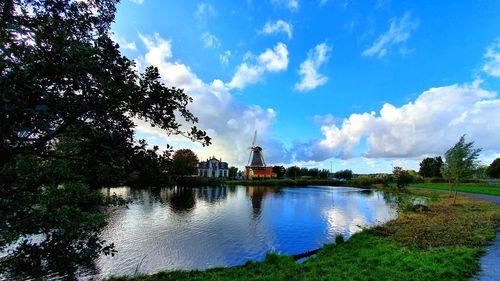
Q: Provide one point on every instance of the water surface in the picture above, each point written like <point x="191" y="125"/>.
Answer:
<point x="199" y="228"/>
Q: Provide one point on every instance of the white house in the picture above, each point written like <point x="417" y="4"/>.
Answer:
<point x="213" y="168"/>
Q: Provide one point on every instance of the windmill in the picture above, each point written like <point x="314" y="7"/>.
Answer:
<point x="256" y="158"/>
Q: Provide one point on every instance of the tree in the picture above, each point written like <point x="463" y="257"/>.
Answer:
<point x="279" y="171"/>
<point x="185" y="162"/>
<point x="68" y="100"/>
<point x="403" y="178"/>
<point x="460" y="163"/>
<point x="313" y="172"/>
<point x="233" y="172"/>
<point x="493" y="169"/>
<point x="304" y="171"/>
<point x="431" y="167"/>
<point x="293" y="172"/>
<point x="323" y="173"/>
<point x="343" y="174"/>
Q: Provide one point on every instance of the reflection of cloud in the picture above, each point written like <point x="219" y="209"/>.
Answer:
<point x="352" y="210"/>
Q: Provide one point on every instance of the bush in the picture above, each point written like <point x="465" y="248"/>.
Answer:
<point x="339" y="239"/>
<point x="493" y="169"/>
<point x="435" y="180"/>
<point x="365" y="181"/>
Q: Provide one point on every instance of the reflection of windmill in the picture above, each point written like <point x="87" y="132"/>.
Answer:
<point x="256" y="158"/>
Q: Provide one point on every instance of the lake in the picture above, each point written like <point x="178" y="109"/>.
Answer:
<point x="199" y="228"/>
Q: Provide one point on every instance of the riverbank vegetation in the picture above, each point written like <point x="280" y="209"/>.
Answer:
<point x="442" y="242"/>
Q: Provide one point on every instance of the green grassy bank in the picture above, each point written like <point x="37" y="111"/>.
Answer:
<point x="489" y="189"/>
<point x="441" y="244"/>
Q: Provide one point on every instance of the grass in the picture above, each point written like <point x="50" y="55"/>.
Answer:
<point x="441" y="244"/>
<point x="489" y="189"/>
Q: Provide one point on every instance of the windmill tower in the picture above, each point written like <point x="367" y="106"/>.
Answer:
<point x="256" y="167"/>
<point x="256" y="158"/>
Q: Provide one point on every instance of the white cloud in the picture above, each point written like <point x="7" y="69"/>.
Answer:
<point x="277" y="27"/>
<point x="123" y="43"/>
<point x="224" y="57"/>
<point x="210" y="40"/>
<point x="203" y="12"/>
<point x="399" y="32"/>
<point x="137" y="1"/>
<point x="231" y="124"/>
<point x="310" y="77"/>
<point x="293" y="5"/>
<point x="275" y="60"/>
<point x="429" y="125"/>
<point x="492" y="56"/>
<point x="327" y="119"/>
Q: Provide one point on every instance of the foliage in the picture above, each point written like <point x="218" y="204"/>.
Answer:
<point x="279" y="171"/>
<point x="460" y="161"/>
<point x="297" y="172"/>
<point x="68" y="100"/>
<point x="480" y="172"/>
<point x="343" y="174"/>
<point x="431" y="167"/>
<point x="293" y="172"/>
<point x="324" y="173"/>
<point x="148" y="168"/>
<point x="339" y="239"/>
<point x="403" y="178"/>
<point x="185" y="162"/>
<point x="386" y="180"/>
<point x="233" y="172"/>
<point x="493" y="169"/>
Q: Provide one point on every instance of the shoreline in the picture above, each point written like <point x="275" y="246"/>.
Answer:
<point x="414" y="240"/>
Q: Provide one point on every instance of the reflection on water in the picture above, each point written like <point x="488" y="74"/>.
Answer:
<point x="198" y="228"/>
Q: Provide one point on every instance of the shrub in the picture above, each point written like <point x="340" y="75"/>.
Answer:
<point x="339" y="239"/>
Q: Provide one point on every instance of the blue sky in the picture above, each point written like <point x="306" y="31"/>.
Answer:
<point x="364" y="85"/>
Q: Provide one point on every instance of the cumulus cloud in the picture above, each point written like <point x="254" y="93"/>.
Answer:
<point x="277" y="27"/>
<point x="399" y="32"/>
<point x="492" y="56"/>
<point x="253" y="68"/>
<point x="231" y="124"/>
<point x="293" y="5"/>
<point x="310" y="77"/>
<point x="429" y="125"/>
<point x="210" y="40"/>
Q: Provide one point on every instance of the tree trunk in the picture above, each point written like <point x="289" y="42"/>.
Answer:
<point x="449" y="188"/>
<point x="455" y="198"/>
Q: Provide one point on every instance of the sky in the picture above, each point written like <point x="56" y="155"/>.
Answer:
<point x="334" y="84"/>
